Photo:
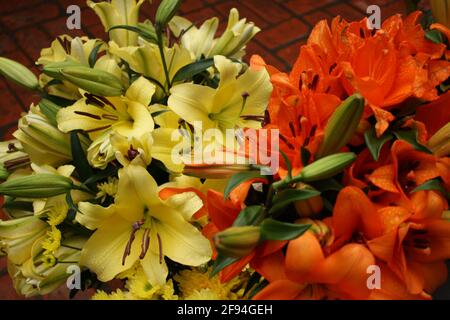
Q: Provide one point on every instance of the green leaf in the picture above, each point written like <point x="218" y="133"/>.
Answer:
<point x="80" y="161"/>
<point x="49" y="109"/>
<point x="110" y="171"/>
<point x="434" y="184"/>
<point x="277" y="230"/>
<point x="434" y="35"/>
<point x="239" y="178"/>
<point x="284" y="198"/>
<point x="374" y="143"/>
<point x="248" y="216"/>
<point x="220" y="263"/>
<point x="143" y="31"/>
<point x="328" y="185"/>
<point x="93" y="55"/>
<point x="288" y="164"/>
<point x="193" y="69"/>
<point x="410" y="136"/>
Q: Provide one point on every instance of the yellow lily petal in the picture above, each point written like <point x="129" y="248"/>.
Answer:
<point x="104" y="250"/>
<point x="180" y="241"/>
<point x="155" y="271"/>
<point x="141" y="91"/>
<point x="137" y="190"/>
<point x="92" y="216"/>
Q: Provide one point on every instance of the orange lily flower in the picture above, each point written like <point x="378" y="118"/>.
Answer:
<point x="413" y="243"/>
<point x="306" y="272"/>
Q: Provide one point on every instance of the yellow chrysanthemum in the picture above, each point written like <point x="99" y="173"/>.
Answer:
<point x="52" y="242"/>
<point x="107" y="188"/>
<point x="140" y="288"/>
<point x="116" y="295"/>
<point x="192" y="282"/>
<point x="203" y="294"/>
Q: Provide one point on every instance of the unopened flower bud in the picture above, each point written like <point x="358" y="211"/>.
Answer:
<point x="320" y="229"/>
<point x="166" y="11"/>
<point x="440" y="141"/>
<point x="18" y="73"/>
<point x="95" y="81"/>
<point x="53" y="69"/>
<point x="309" y="207"/>
<point x="237" y="242"/>
<point x="326" y="167"/>
<point x="42" y="185"/>
<point x="342" y="125"/>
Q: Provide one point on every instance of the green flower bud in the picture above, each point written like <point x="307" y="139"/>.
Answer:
<point x="166" y="11"/>
<point x="18" y="73"/>
<point x="440" y="141"/>
<point x="214" y="171"/>
<point x="49" y="109"/>
<point x="237" y="242"/>
<point x="95" y="81"/>
<point x="41" y="185"/>
<point x="342" y="125"/>
<point x="326" y="167"/>
<point x="53" y="69"/>
<point x="3" y="173"/>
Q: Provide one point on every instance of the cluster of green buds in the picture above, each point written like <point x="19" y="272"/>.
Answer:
<point x="95" y="81"/>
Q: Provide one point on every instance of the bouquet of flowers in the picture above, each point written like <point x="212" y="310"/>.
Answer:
<point x="162" y="159"/>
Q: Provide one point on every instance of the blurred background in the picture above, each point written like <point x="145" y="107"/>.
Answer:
<point x="27" y="26"/>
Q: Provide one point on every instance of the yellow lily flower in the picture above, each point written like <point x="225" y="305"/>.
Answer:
<point x="237" y="102"/>
<point x="201" y="42"/>
<point x="141" y="228"/>
<point x="18" y="236"/>
<point x="99" y="117"/>
<point x="146" y="60"/>
<point x="43" y="142"/>
<point x="38" y="275"/>
<point x="66" y="48"/>
<point x="119" y="12"/>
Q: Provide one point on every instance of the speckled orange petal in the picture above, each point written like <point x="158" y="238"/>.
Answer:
<point x="383" y="247"/>
<point x="384" y="178"/>
<point x="354" y="210"/>
<point x="222" y="213"/>
<point x="383" y="118"/>
<point x="439" y="236"/>
<point x="280" y="290"/>
<point x="427" y="204"/>
<point x="347" y="268"/>
<point x="392" y="288"/>
<point x="271" y="267"/>
<point x="302" y="257"/>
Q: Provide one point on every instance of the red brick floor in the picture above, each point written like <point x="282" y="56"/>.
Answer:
<point x="27" y="26"/>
